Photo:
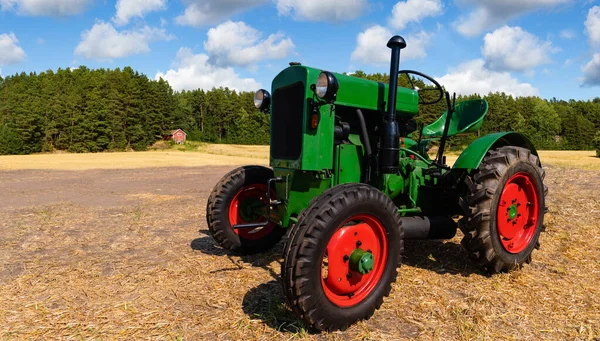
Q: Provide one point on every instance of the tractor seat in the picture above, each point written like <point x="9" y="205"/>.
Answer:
<point x="468" y="117"/>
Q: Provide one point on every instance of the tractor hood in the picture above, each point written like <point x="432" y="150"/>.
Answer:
<point x="354" y="92"/>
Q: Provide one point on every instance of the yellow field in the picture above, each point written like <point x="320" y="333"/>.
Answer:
<point x="571" y="159"/>
<point x="220" y="155"/>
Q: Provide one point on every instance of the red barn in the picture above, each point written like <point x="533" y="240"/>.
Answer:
<point x="179" y="136"/>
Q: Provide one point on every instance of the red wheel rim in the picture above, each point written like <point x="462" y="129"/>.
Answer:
<point x="518" y="211"/>
<point x="254" y="193"/>
<point x="342" y="286"/>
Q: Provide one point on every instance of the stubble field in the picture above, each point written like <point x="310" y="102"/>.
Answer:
<point x="115" y="246"/>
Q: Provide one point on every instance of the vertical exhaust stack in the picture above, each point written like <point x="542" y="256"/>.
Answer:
<point x="389" y="157"/>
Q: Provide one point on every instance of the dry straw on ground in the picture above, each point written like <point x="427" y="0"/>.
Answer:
<point x="116" y="254"/>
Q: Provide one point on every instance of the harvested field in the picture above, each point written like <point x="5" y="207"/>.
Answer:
<point x="214" y="155"/>
<point x="125" y="254"/>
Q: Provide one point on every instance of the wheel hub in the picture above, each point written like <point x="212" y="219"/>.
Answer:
<point x="251" y="209"/>
<point x="249" y="206"/>
<point x="512" y="212"/>
<point x="361" y="261"/>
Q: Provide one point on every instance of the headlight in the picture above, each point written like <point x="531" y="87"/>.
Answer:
<point x="327" y="86"/>
<point x="262" y="99"/>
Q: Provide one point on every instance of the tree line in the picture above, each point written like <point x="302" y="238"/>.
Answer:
<point x="84" y="110"/>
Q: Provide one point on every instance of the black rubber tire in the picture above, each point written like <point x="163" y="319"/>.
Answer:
<point x="480" y="206"/>
<point x="303" y="254"/>
<point x="217" y="211"/>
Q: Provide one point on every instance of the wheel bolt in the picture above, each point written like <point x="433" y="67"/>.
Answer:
<point x="346" y="258"/>
<point x="369" y="251"/>
<point x="514" y="201"/>
<point x="358" y="243"/>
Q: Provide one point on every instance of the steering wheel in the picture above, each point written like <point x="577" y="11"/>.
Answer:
<point x="437" y="88"/>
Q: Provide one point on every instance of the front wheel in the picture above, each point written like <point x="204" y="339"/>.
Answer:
<point x="504" y="209"/>
<point x="342" y="256"/>
<point x="239" y="198"/>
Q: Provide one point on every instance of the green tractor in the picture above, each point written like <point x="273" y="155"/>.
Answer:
<point x="351" y="186"/>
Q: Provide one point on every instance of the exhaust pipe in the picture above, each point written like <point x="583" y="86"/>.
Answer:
<point x="389" y="157"/>
<point x="422" y="228"/>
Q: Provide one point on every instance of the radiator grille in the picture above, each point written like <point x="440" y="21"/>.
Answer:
<point x="287" y="122"/>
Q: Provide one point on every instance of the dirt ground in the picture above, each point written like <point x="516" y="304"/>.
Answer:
<point x="125" y="254"/>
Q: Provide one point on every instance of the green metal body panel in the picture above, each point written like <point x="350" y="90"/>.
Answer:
<point x="475" y="152"/>
<point x="364" y="94"/>
<point x="296" y="192"/>
<point x="300" y="187"/>
<point x="468" y="117"/>
<point x="347" y="164"/>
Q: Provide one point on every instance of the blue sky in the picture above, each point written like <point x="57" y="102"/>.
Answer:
<point x="549" y="48"/>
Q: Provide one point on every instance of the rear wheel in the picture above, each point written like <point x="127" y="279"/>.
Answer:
<point x="504" y="209"/>
<point x="240" y="198"/>
<point x="341" y="257"/>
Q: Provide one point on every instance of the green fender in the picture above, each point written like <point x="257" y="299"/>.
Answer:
<point x="475" y="152"/>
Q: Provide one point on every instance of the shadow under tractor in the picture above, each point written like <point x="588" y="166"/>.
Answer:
<point x="351" y="187"/>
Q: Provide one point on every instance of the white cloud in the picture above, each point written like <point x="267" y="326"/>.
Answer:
<point x="322" y="10"/>
<point x="591" y="71"/>
<point x="568" y="34"/>
<point x="46" y="7"/>
<point x="199" y="13"/>
<point x="488" y="14"/>
<point x="514" y="49"/>
<point x="408" y="11"/>
<point x="127" y="9"/>
<point x="472" y="77"/>
<point x="10" y="51"/>
<point x="104" y="42"/>
<point x="372" y="46"/>
<point x="235" y="43"/>
<point x="195" y="72"/>
<point x="592" y="26"/>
